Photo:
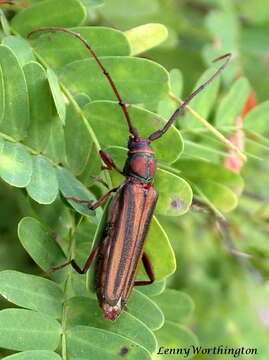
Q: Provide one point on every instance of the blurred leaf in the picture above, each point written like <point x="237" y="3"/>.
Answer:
<point x="15" y="164"/>
<point x="27" y="330"/>
<point x="256" y="12"/>
<point x="145" y="37"/>
<point x="129" y="14"/>
<point x="218" y="21"/>
<point x="57" y="94"/>
<point x="43" y="186"/>
<point x="175" y="336"/>
<point x="66" y="13"/>
<point x="232" y="104"/>
<point x="217" y="194"/>
<point x="217" y="185"/>
<point x="197" y="170"/>
<point x="16" y="115"/>
<point x="59" y="49"/>
<point x="32" y="292"/>
<point x="257" y="119"/>
<point x="85" y="340"/>
<point x="202" y="103"/>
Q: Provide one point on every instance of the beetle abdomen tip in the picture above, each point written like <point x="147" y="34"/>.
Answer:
<point x="111" y="312"/>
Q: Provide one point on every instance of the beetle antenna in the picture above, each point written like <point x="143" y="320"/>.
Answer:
<point x="157" y="134"/>
<point x="123" y="106"/>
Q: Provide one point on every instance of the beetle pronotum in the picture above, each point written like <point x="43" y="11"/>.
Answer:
<point x="130" y="211"/>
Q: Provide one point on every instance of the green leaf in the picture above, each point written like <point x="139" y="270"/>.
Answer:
<point x="21" y="48"/>
<point x="77" y="310"/>
<point x="16" y="116"/>
<point x="256" y="12"/>
<point x="145" y="37"/>
<point x="144" y="309"/>
<point x="257" y="119"/>
<point x="93" y="3"/>
<point x="199" y="170"/>
<point x="176" y="79"/>
<point x="172" y="336"/>
<point x="218" y="21"/>
<point x="177" y="306"/>
<point x="41" y="106"/>
<point x="66" y="13"/>
<point x="32" y="292"/>
<point x="175" y="194"/>
<point x="109" y="125"/>
<point x="217" y="194"/>
<point x="129" y="13"/>
<point x="55" y="148"/>
<point x="77" y="141"/>
<point x="213" y="182"/>
<point x="232" y="104"/>
<point x="138" y="80"/>
<point x="85" y="340"/>
<point x="15" y="164"/>
<point x="153" y="289"/>
<point x="92" y="168"/>
<point x="57" y="94"/>
<point x="202" y="103"/>
<point x="43" y="186"/>
<point x="2" y="144"/>
<point x="2" y="95"/>
<point x="40" y="244"/>
<point x="27" y="330"/>
<point x="71" y="187"/>
<point x="160" y="251"/>
<point x="4" y="23"/>
<point x="59" y="49"/>
<point x="34" y="355"/>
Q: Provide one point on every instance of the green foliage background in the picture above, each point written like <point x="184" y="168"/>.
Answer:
<point x="57" y="111"/>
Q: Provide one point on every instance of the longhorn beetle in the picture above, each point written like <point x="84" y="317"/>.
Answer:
<point x="130" y="211"/>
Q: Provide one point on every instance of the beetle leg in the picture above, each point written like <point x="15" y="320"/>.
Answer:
<point x="149" y="270"/>
<point x="110" y="165"/>
<point x="92" y="206"/>
<point x="75" y="266"/>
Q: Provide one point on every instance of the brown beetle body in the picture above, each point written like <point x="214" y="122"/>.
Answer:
<point x="131" y="209"/>
<point x="129" y="217"/>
